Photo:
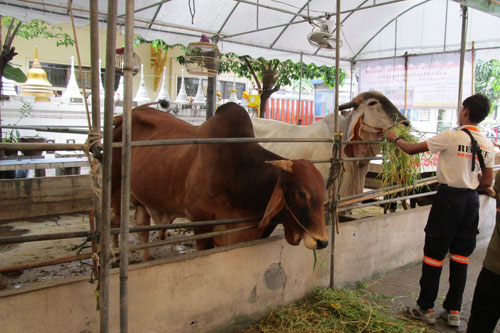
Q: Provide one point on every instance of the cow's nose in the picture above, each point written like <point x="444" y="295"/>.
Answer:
<point x="321" y="244"/>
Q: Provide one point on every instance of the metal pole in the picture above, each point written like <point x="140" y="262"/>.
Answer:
<point x="1" y="48"/>
<point x="462" y="56"/>
<point x="211" y="104"/>
<point x="337" y="151"/>
<point x="94" y="66"/>
<point x="96" y="130"/>
<point x="406" y="83"/>
<point x="106" y="173"/>
<point x="211" y="96"/>
<point x="473" y="87"/>
<point x="126" y="157"/>
<point x="113" y="231"/>
<point x="300" y="85"/>
<point x="445" y="26"/>
<point x="352" y="77"/>
<point x="395" y="37"/>
<point x="42" y="146"/>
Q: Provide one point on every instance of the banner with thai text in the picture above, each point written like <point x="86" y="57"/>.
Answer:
<point x="432" y="80"/>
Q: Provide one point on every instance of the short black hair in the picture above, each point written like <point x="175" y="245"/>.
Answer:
<point x="479" y="107"/>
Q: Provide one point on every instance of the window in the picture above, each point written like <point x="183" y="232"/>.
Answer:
<point x="59" y="74"/>
<point x="225" y="87"/>
<point x="191" y="85"/>
<point x="424" y="115"/>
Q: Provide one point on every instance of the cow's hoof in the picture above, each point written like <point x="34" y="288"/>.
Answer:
<point x="13" y="273"/>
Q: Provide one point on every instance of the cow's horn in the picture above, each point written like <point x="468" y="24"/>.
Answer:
<point x="282" y="164"/>
<point x="348" y="105"/>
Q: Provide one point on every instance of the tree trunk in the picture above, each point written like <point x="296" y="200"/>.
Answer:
<point x="264" y="97"/>
<point x="2" y="66"/>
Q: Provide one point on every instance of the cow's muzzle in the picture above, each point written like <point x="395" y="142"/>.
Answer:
<point x="320" y="244"/>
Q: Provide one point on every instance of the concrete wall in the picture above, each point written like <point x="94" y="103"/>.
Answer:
<point x="28" y="197"/>
<point x="217" y="290"/>
<point x="204" y="292"/>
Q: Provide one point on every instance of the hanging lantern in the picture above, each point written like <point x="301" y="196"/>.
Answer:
<point x="120" y="62"/>
<point x="202" y="58"/>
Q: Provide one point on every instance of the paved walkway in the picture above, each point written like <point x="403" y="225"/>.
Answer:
<point x="402" y="288"/>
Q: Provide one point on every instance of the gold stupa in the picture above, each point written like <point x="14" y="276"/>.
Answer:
<point x="37" y="84"/>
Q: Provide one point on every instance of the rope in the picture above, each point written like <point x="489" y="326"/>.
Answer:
<point x="94" y="275"/>
<point x="93" y="139"/>
<point x="79" y="64"/>
<point x="336" y="166"/>
<point x="336" y="172"/>
<point x="297" y="220"/>
<point x="192" y="11"/>
<point x="92" y="145"/>
<point x="82" y="245"/>
<point x="377" y="129"/>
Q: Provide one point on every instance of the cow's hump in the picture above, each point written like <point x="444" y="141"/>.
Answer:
<point x="231" y="121"/>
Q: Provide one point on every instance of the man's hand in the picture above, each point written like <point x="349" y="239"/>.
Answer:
<point x="487" y="191"/>
<point x="391" y="136"/>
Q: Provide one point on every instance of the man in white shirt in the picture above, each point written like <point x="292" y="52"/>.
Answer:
<point x="454" y="216"/>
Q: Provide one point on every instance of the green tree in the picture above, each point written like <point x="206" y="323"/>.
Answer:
<point x="29" y="30"/>
<point x="268" y="75"/>
<point x="487" y="81"/>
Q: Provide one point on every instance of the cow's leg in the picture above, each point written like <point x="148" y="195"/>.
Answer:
<point x="405" y="204"/>
<point x="203" y="244"/>
<point x="142" y="218"/>
<point x="161" y="219"/>
<point x="162" y="234"/>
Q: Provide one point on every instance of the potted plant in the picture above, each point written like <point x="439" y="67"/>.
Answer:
<point x="12" y="136"/>
<point x="32" y="139"/>
<point x="25" y="111"/>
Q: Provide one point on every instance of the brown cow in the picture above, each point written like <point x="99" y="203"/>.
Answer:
<point x="218" y="181"/>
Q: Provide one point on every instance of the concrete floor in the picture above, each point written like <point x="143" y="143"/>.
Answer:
<point x="402" y="288"/>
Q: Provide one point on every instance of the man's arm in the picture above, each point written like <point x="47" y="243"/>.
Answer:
<point x="408" y="147"/>
<point x="486" y="181"/>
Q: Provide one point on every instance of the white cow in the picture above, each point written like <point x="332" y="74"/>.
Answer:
<point x="371" y="114"/>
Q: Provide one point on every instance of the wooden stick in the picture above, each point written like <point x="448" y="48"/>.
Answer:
<point x="44" y="263"/>
<point x="42" y="146"/>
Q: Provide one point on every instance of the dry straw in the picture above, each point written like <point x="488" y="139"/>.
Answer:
<point x="338" y="310"/>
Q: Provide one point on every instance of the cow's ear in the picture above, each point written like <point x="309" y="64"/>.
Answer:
<point x="286" y="165"/>
<point x="274" y="206"/>
<point x="353" y="135"/>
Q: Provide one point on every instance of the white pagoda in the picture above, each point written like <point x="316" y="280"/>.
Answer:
<point x="142" y="96"/>
<point x="182" y="97"/>
<point x="163" y="94"/>
<point x="72" y="92"/>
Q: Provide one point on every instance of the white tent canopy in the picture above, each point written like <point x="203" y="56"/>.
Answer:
<point x="278" y="29"/>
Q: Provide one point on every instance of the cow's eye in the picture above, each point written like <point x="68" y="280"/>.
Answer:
<point x="372" y="103"/>
<point x="303" y="196"/>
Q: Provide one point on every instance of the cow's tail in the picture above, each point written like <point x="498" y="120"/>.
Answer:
<point x="117" y="121"/>
<point x="163" y="103"/>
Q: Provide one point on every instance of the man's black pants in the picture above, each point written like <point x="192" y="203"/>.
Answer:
<point x="452" y="226"/>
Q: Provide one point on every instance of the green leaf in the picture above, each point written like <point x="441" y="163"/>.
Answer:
<point x="13" y="73"/>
